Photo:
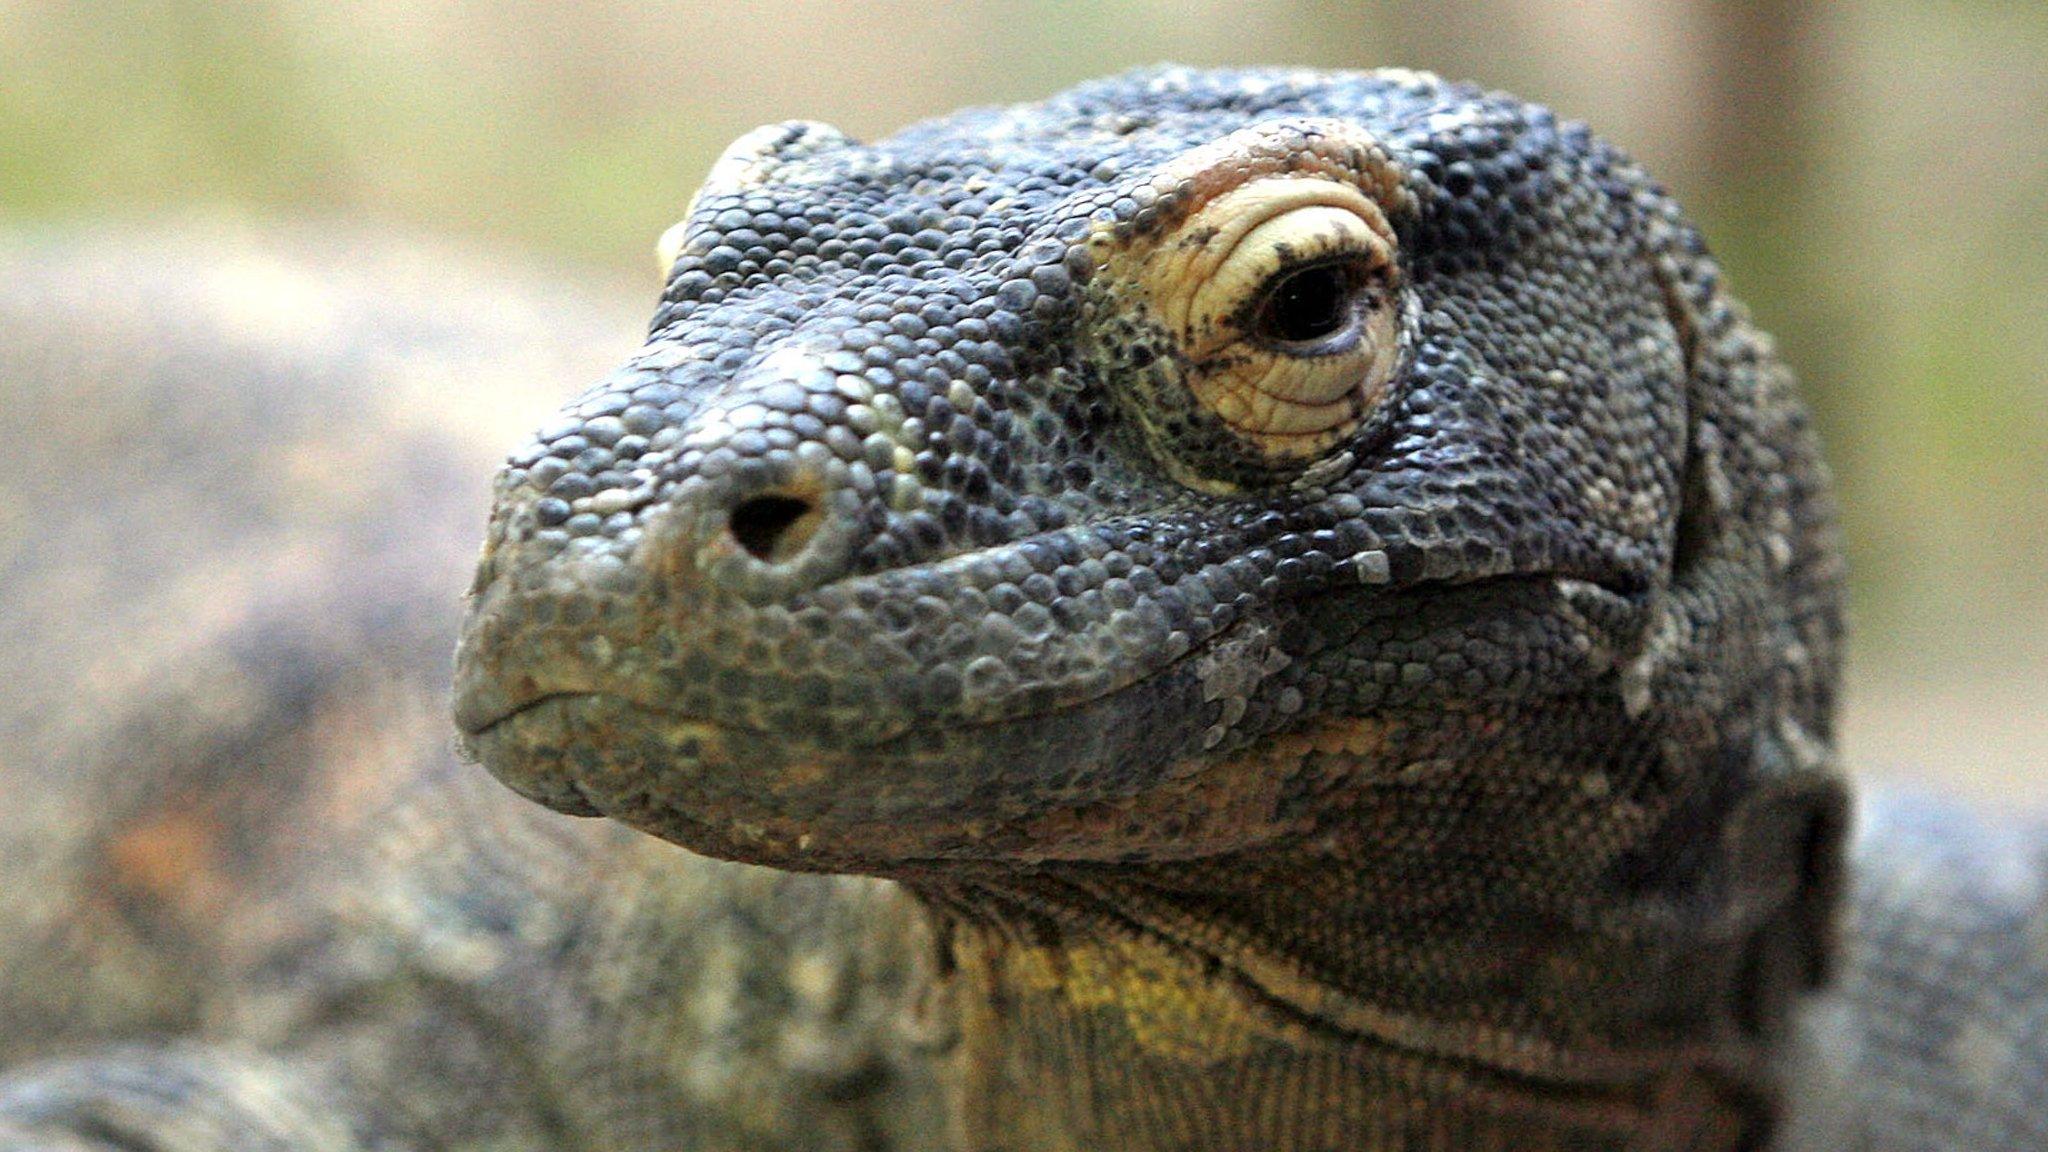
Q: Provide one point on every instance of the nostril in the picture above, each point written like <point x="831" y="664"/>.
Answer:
<point x="775" y="527"/>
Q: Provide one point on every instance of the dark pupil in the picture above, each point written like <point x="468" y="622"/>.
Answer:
<point x="1307" y="305"/>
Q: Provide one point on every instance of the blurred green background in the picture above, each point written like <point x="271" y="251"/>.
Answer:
<point x="1874" y="175"/>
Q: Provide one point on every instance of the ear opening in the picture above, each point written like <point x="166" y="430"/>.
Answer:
<point x="1703" y="500"/>
<point x="1704" y="496"/>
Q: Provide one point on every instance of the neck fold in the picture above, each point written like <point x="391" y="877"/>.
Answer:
<point x="1267" y="1003"/>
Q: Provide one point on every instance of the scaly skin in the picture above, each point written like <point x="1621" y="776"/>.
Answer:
<point x="1453" y="776"/>
<point x="1409" y="736"/>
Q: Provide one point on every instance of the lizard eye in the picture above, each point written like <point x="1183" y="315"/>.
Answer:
<point x="1310" y="311"/>
<point x="1280" y="300"/>
<point x="1289" y="328"/>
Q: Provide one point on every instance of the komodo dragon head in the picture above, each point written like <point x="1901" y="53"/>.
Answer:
<point x="1330" y="524"/>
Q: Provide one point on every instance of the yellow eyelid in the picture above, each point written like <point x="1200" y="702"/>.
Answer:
<point x="1239" y="217"/>
<point x="1235" y="245"/>
<point x="1295" y="239"/>
<point x="1214" y="270"/>
<point x="1247" y="209"/>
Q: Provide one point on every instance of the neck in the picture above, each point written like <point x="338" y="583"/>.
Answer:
<point x="1340" y="993"/>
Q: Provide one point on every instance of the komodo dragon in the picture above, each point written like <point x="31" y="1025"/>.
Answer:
<point x="1309" y="614"/>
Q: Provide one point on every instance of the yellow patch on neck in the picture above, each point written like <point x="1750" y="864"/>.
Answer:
<point x="1172" y="1008"/>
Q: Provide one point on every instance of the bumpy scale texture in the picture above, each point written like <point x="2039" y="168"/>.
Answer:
<point x="1320" y="613"/>
<point x="1479" y="758"/>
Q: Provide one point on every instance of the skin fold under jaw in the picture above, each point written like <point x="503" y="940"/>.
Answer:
<point x="1303" y="576"/>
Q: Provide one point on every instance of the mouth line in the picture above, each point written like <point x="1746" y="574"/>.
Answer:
<point x="529" y="706"/>
<point x="913" y="724"/>
<point x="909" y="726"/>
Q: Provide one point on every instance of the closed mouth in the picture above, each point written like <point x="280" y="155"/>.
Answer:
<point x="477" y="729"/>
